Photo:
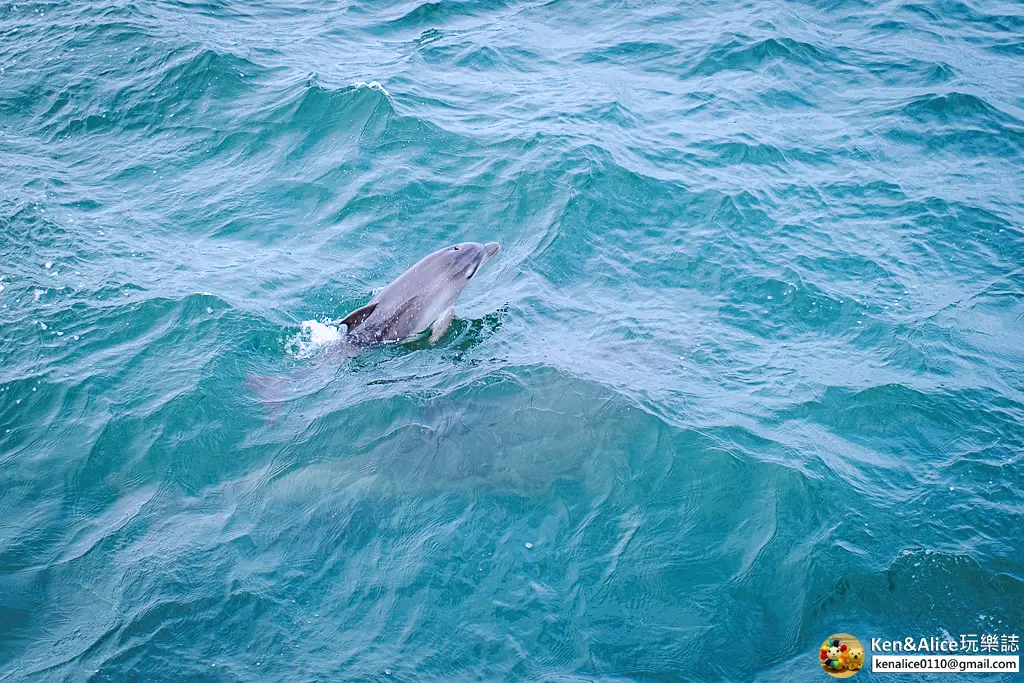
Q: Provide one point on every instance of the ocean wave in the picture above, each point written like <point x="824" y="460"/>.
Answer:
<point x="316" y="112"/>
<point x="473" y="56"/>
<point x="909" y="72"/>
<point x="957" y="107"/>
<point x="434" y="13"/>
<point x="179" y="84"/>
<point x="632" y="52"/>
<point x="746" y="54"/>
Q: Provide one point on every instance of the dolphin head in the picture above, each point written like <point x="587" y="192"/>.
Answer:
<point x="457" y="264"/>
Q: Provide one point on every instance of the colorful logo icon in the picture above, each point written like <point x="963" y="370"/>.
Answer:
<point x="841" y="655"/>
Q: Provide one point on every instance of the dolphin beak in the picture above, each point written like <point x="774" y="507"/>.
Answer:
<point x="490" y="249"/>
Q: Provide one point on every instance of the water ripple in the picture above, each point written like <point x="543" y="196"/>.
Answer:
<point x="747" y="366"/>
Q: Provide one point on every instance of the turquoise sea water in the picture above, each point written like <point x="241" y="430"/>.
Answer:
<point x="748" y="370"/>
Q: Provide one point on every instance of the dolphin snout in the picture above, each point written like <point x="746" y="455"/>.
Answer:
<point x="490" y="249"/>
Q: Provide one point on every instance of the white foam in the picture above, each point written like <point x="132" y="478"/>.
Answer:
<point x="373" y="85"/>
<point x="312" y="337"/>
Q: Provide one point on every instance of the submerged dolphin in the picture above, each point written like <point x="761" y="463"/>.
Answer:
<point x="422" y="297"/>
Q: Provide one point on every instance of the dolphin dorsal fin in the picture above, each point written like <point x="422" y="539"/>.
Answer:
<point x="357" y="316"/>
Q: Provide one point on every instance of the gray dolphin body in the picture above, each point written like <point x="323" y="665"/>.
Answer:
<point x="422" y="297"/>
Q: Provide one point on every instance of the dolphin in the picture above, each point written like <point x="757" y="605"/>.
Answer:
<point x="420" y="299"/>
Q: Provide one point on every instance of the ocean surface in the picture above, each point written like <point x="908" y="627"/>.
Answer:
<point x="748" y="370"/>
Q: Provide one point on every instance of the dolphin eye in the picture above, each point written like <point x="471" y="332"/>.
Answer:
<point x="455" y="248"/>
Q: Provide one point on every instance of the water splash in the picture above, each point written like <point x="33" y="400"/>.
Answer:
<point x="313" y="335"/>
